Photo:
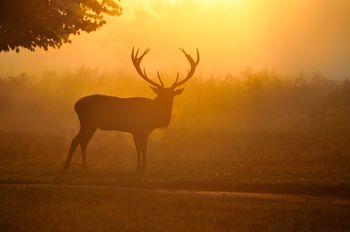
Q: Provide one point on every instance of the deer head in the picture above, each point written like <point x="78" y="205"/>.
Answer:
<point x="158" y="88"/>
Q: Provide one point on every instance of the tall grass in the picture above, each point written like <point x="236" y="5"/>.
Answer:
<point x="254" y="127"/>
<point x="251" y="100"/>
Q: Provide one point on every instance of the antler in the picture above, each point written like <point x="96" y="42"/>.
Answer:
<point x="190" y="72"/>
<point x="136" y="60"/>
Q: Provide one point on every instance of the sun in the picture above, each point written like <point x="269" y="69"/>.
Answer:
<point x="205" y="3"/>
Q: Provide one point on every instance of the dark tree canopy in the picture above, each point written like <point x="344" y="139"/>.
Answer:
<point x="49" y="23"/>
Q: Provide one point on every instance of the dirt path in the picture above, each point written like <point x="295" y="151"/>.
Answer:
<point x="226" y="194"/>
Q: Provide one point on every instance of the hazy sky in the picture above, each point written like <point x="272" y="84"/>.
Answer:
<point x="230" y="34"/>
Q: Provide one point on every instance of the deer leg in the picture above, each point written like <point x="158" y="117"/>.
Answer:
<point x="138" y="149"/>
<point x="73" y="146"/>
<point x="144" y="139"/>
<point x="85" y="139"/>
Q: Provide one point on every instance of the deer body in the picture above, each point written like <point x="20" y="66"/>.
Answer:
<point x="123" y="114"/>
<point x="136" y="115"/>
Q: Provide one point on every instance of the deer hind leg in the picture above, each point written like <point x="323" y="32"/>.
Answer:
<point x="85" y="138"/>
<point x="73" y="146"/>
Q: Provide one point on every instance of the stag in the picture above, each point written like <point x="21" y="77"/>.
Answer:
<point x="136" y="115"/>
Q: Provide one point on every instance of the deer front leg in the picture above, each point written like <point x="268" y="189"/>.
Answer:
<point x="137" y="142"/>
<point x="144" y="140"/>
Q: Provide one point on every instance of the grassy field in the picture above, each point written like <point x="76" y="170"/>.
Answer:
<point x="256" y="133"/>
<point x="246" y="161"/>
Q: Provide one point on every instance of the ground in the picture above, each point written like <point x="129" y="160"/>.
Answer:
<point x="42" y="208"/>
<point x="279" y="163"/>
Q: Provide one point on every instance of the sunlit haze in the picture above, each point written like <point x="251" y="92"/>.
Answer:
<point x="252" y="133"/>
<point x="287" y="36"/>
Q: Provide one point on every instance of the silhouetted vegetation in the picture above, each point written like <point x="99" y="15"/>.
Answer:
<point x="252" y="100"/>
<point x="49" y="23"/>
<point x="257" y="132"/>
<point x="257" y="126"/>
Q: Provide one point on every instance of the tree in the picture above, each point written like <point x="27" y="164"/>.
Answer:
<point x="50" y="23"/>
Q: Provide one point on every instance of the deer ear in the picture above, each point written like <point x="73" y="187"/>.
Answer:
<point x="154" y="89"/>
<point x="178" y="91"/>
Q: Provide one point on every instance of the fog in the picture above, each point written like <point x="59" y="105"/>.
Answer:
<point x="231" y="35"/>
<point x="257" y="141"/>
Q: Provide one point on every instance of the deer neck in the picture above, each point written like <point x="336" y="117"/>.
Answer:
<point x="164" y="109"/>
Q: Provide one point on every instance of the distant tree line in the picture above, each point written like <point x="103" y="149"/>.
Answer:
<point x="251" y="100"/>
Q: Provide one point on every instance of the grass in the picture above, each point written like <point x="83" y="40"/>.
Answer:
<point x="255" y="133"/>
<point x="240" y="161"/>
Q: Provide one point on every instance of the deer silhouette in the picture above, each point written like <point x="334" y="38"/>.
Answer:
<point x="136" y="115"/>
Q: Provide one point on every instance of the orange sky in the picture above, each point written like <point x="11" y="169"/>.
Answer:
<point x="231" y="35"/>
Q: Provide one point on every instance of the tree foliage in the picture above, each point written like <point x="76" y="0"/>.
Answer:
<point x="50" y="23"/>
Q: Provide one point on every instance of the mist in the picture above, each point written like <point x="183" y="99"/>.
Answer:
<point x="231" y="35"/>
<point x="253" y="135"/>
